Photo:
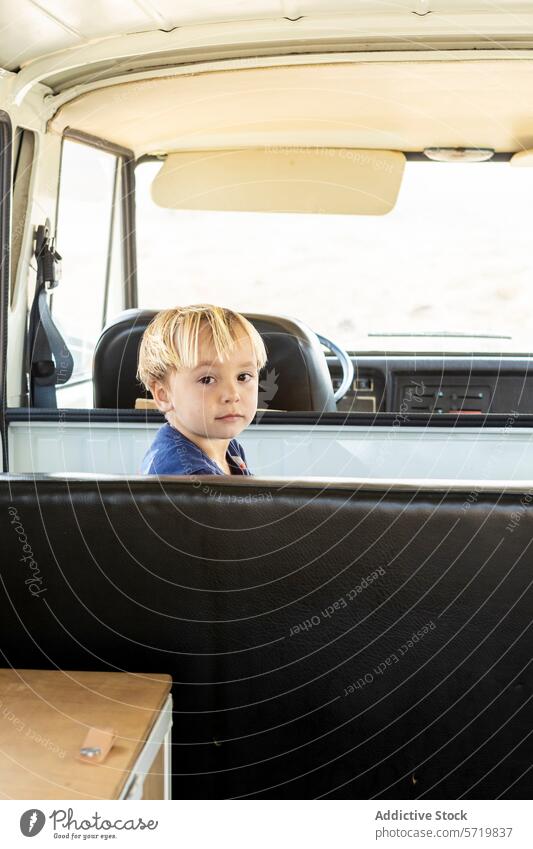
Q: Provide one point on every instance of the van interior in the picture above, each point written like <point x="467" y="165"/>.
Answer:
<point x="353" y="620"/>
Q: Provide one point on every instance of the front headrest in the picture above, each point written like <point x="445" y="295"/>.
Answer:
<point x="296" y="376"/>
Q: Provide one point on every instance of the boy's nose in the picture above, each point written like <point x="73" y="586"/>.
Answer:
<point x="230" y="392"/>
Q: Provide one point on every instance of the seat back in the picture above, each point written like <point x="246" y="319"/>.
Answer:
<point x="296" y="375"/>
<point x="324" y="639"/>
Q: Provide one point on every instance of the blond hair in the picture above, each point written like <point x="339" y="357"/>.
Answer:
<point x="171" y="339"/>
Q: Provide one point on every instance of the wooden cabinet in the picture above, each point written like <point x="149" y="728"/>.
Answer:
<point x="45" y="716"/>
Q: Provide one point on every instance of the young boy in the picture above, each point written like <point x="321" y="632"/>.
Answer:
<point x="201" y="364"/>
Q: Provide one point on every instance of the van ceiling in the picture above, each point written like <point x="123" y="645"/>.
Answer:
<point x="395" y="105"/>
<point x="35" y="28"/>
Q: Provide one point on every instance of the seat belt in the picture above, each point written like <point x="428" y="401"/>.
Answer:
<point x="51" y="362"/>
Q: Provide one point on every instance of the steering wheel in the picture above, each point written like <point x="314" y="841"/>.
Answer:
<point x="346" y="365"/>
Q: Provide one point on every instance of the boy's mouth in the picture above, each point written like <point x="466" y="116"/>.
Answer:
<point x="230" y="417"/>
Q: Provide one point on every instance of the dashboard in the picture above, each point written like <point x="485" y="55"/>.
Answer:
<point x="437" y="385"/>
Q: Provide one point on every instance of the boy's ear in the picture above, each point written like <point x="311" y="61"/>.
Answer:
<point x="161" y="396"/>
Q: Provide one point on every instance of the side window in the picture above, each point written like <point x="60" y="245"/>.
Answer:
<point x="23" y="152"/>
<point x="89" y="239"/>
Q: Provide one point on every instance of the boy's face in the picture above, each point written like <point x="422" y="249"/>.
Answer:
<point x="215" y="400"/>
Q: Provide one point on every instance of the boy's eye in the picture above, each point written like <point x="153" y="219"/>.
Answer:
<point x="205" y="379"/>
<point x="246" y="375"/>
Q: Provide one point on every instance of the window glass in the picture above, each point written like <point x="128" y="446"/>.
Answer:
<point x="449" y="269"/>
<point x="88" y="177"/>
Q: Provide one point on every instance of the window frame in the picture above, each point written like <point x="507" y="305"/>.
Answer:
<point x="126" y="158"/>
<point x="123" y="203"/>
<point x="6" y="151"/>
<point x="23" y="137"/>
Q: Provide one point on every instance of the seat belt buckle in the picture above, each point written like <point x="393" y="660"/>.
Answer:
<point x="51" y="268"/>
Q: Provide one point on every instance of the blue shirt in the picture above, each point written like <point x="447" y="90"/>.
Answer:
<point x="171" y="453"/>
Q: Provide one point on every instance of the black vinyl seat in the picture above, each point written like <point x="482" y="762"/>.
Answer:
<point x="348" y="639"/>
<point x="297" y="372"/>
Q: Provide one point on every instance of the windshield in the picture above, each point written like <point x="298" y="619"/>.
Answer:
<point x="449" y="269"/>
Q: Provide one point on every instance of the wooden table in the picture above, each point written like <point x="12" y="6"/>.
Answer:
<point x="45" y="715"/>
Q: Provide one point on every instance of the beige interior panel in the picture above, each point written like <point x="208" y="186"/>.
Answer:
<point x="326" y="180"/>
<point x="390" y="105"/>
<point x="522" y="159"/>
<point x="36" y="28"/>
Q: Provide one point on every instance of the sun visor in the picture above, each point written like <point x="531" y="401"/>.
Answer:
<point x="328" y="180"/>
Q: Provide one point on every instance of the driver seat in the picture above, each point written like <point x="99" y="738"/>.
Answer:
<point x="295" y="378"/>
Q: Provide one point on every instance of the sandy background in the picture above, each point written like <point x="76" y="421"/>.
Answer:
<point x="455" y="255"/>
